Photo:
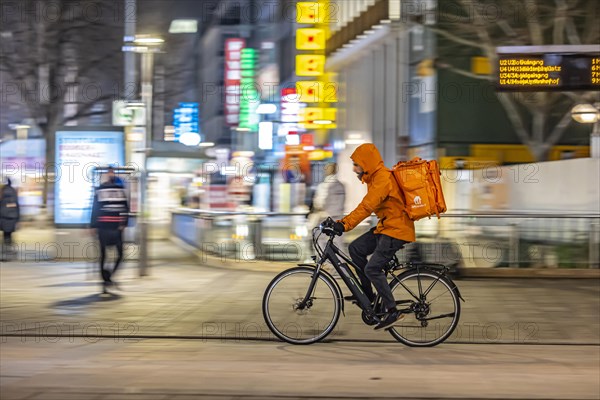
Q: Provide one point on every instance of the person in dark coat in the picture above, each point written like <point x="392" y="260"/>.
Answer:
<point x="110" y="212"/>
<point x="9" y="216"/>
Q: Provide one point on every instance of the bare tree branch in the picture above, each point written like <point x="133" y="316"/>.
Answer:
<point x="559" y="129"/>
<point x="572" y="34"/>
<point x="506" y="28"/>
<point x="537" y="38"/>
<point x="482" y="32"/>
<point x="457" y="39"/>
<point x="83" y="110"/>
<point x="591" y="32"/>
<point x="586" y="97"/>
<point x="513" y="115"/>
<point x="538" y="126"/>
<point x="465" y="73"/>
<point x="559" y="22"/>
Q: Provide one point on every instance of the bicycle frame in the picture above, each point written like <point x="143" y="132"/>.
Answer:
<point x="331" y="253"/>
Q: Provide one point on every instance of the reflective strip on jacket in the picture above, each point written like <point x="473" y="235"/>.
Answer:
<point x="110" y="208"/>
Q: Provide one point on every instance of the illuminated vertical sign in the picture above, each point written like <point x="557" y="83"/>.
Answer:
<point x="290" y="110"/>
<point x="185" y="119"/>
<point x="311" y="41"/>
<point x="250" y="97"/>
<point x="265" y="135"/>
<point x="233" y="79"/>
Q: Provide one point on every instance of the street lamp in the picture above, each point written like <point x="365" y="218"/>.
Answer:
<point x="589" y="114"/>
<point x="147" y="46"/>
<point x="148" y="40"/>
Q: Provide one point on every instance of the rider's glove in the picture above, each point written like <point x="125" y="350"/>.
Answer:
<point x="338" y="228"/>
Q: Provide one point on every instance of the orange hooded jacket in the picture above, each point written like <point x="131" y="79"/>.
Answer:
<point x="383" y="197"/>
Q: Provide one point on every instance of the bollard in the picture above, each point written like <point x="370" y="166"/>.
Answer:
<point x="594" y="243"/>
<point x="513" y="246"/>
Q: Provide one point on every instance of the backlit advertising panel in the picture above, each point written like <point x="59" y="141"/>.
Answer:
<point x="78" y="152"/>
<point x="233" y="79"/>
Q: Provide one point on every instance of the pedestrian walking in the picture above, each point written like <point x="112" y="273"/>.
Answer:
<point x="110" y="215"/>
<point x="9" y="218"/>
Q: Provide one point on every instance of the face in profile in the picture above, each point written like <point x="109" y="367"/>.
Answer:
<point x="357" y="169"/>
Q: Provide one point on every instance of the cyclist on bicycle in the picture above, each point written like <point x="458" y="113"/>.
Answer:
<point x="393" y="230"/>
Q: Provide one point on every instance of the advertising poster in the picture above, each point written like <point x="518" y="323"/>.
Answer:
<point x="233" y="79"/>
<point x="77" y="154"/>
<point x="23" y="161"/>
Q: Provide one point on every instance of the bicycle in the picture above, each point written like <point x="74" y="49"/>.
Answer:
<point x="302" y="305"/>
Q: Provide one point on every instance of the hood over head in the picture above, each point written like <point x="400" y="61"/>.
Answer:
<point x="367" y="156"/>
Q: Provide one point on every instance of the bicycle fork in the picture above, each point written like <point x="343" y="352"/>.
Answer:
<point x="311" y="287"/>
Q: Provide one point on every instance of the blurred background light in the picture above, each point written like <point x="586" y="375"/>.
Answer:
<point x="183" y="26"/>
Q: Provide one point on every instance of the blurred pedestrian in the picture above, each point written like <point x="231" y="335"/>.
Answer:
<point x="9" y="217"/>
<point x="328" y="200"/>
<point x="110" y="215"/>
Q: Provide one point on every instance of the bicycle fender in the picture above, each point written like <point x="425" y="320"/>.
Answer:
<point x="430" y="266"/>
<point x="337" y="285"/>
<point x="457" y="291"/>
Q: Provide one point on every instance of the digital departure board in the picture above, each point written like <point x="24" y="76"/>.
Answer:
<point x="565" y="70"/>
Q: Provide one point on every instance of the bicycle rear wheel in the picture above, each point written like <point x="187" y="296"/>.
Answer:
<point x="292" y="322"/>
<point x="432" y="308"/>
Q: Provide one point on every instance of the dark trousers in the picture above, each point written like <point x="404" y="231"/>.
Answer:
<point x="382" y="248"/>
<point x="110" y="237"/>
<point x="7" y="238"/>
<point x="7" y="252"/>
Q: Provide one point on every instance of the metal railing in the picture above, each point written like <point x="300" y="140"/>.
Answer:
<point x="518" y="239"/>
<point x="515" y="239"/>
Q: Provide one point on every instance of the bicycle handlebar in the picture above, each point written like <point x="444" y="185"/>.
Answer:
<point x="326" y="227"/>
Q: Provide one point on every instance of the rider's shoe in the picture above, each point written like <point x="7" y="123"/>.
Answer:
<point x="391" y="318"/>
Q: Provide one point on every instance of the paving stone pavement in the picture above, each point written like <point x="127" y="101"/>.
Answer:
<point x="193" y="329"/>
<point x="187" y="369"/>
<point x="181" y="298"/>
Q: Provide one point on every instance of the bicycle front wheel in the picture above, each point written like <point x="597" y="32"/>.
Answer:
<point x="431" y="305"/>
<point x="291" y="320"/>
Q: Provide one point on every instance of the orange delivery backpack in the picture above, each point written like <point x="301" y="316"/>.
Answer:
<point x="421" y="186"/>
